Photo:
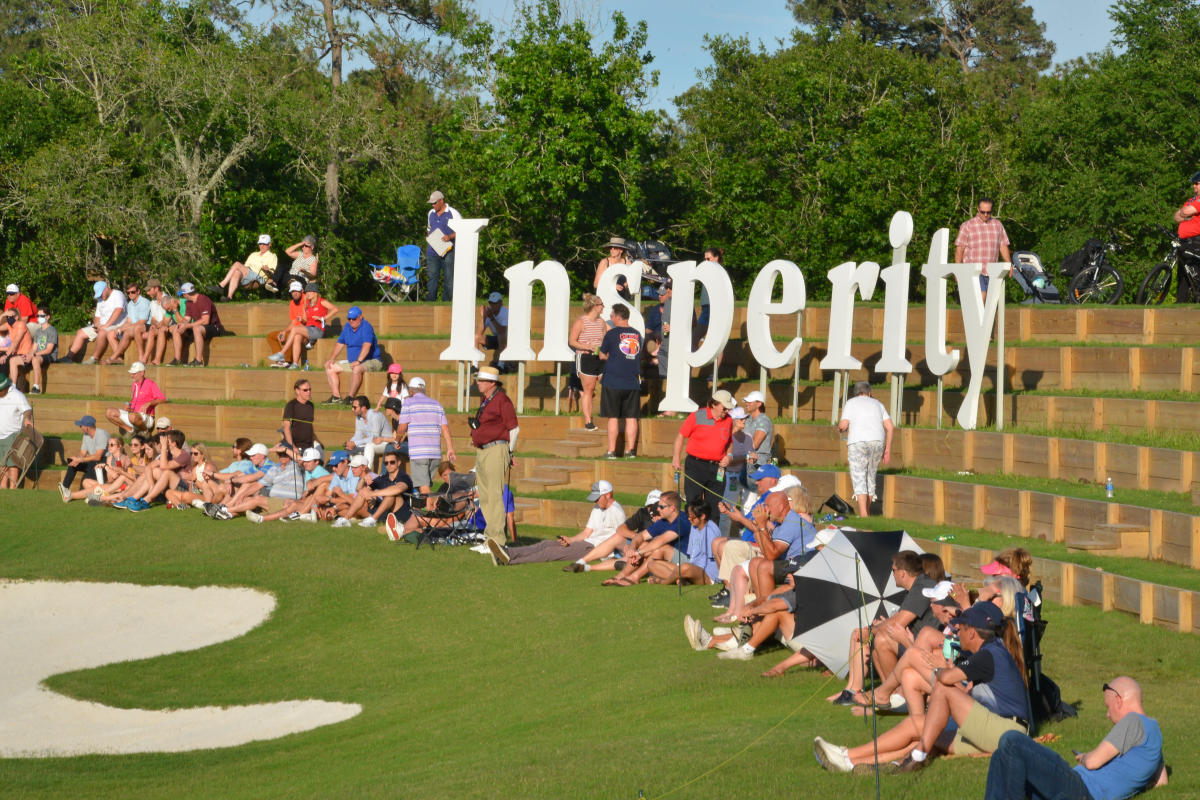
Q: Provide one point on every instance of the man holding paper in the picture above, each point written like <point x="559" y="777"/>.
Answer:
<point x="439" y="255"/>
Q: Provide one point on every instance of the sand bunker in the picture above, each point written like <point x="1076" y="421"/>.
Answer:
<point x="47" y="628"/>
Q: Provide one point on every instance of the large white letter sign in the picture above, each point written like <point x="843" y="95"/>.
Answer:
<point x="935" y="271"/>
<point x="607" y="291"/>
<point x="978" y="320"/>
<point x="462" y="310"/>
<point x="846" y="278"/>
<point x="761" y="306"/>
<point x="895" y="297"/>
<point x="520" y="311"/>
<point x="681" y="357"/>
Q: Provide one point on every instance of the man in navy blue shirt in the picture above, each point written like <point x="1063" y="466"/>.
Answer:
<point x="621" y="395"/>
<point x="439" y="265"/>
<point x="363" y="354"/>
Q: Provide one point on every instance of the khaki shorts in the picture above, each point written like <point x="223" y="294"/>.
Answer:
<point x="370" y="365"/>
<point x="276" y="504"/>
<point x="981" y="731"/>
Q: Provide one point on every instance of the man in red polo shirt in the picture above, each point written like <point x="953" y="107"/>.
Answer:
<point x="709" y="435"/>
<point x="494" y="432"/>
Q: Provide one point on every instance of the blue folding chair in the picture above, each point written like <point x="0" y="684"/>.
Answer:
<point x="399" y="281"/>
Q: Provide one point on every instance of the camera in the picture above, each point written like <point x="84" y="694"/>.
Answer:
<point x="473" y="422"/>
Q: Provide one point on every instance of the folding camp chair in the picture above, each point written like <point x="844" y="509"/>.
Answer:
<point x="450" y="521"/>
<point x="399" y="281"/>
<point x="24" y="452"/>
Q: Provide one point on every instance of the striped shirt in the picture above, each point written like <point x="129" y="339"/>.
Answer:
<point x="425" y="418"/>
<point x="981" y="241"/>
<point x="592" y="332"/>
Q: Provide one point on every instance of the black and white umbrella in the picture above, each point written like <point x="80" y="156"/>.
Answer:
<point x="848" y="583"/>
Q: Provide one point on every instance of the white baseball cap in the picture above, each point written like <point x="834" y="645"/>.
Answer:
<point x="416" y="383"/>
<point x="786" y="482"/>
<point x="359" y="461"/>
<point x="257" y="449"/>
<point x="738" y="413"/>
<point x="136" y="366"/>
<point x="599" y="488"/>
<point x="12" y="289"/>
<point x="310" y="454"/>
<point x="264" y="239"/>
<point x="187" y="288"/>
<point x="754" y="397"/>
<point x="163" y="423"/>
<point x="295" y="286"/>
<point x="653" y="496"/>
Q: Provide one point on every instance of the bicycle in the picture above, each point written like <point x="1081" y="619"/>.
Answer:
<point x="1157" y="285"/>
<point x="1093" y="279"/>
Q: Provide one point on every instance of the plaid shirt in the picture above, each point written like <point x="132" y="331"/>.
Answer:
<point x="981" y="241"/>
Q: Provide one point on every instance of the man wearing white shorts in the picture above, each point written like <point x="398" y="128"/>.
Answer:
<point x="868" y="429"/>
<point x="144" y="396"/>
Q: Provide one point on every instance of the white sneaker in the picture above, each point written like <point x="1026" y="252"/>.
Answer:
<point x="65" y="493"/>
<point x="481" y="548"/>
<point x="737" y="654"/>
<point x="341" y="522"/>
<point x="224" y="513"/>
<point x="690" y="628"/>
<point x="392" y="526"/>
<point x="275" y="357"/>
<point x="832" y="757"/>
<point x="728" y="644"/>
<point x="368" y="522"/>
<point x="198" y="504"/>
<point x="292" y="517"/>
<point x="254" y="517"/>
<point x="309" y="516"/>
<point x="500" y="556"/>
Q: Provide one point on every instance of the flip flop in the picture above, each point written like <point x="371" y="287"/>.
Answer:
<point x="620" y="580"/>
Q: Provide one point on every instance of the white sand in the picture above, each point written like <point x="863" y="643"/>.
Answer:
<point x="47" y="628"/>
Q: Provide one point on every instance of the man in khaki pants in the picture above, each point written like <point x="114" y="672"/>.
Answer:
<point x="494" y="434"/>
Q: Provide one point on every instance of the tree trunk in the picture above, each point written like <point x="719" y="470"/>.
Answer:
<point x="332" y="169"/>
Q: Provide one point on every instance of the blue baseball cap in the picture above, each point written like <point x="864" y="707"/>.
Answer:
<point x="766" y="471"/>
<point x="337" y="457"/>
<point x="984" y="614"/>
<point x="98" y="289"/>
<point x="354" y="313"/>
<point x="86" y="421"/>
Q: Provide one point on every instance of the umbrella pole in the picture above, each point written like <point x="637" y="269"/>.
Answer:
<point x="867" y="670"/>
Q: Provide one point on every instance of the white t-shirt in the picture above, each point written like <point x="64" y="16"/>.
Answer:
<point x="105" y="308"/>
<point x="866" y="416"/>
<point x="157" y="312"/>
<point x="604" y="523"/>
<point x="12" y="412"/>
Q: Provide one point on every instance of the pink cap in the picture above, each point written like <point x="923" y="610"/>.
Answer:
<point x="395" y="369"/>
<point x="996" y="568"/>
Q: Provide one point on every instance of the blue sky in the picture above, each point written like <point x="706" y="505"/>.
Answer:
<point x="677" y="29"/>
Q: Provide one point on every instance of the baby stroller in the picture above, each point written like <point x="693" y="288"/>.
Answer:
<point x="1032" y="278"/>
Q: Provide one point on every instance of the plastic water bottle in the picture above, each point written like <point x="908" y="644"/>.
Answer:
<point x="1108" y="487"/>
<point x="307" y="366"/>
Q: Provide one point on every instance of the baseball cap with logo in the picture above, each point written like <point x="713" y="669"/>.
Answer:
<point x="187" y="288"/>
<point x="264" y="239"/>
<point x="359" y="461"/>
<point x="599" y="488"/>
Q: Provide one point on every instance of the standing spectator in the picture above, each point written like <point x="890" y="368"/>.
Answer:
<point x="423" y="421"/>
<point x="586" y="335"/>
<point x="304" y="263"/>
<point x="363" y="354"/>
<point x="15" y="415"/>
<point x="759" y="428"/>
<point x="138" y="414"/>
<point x="618" y="253"/>
<point x="494" y="432"/>
<point x="371" y="430"/>
<point x="43" y="351"/>
<point x="980" y="240"/>
<point x="708" y="432"/>
<point x="621" y="395"/>
<point x="200" y="322"/>
<point x="298" y="416"/>
<point x="492" y="331"/>
<point x="1128" y="760"/>
<point x="91" y="452"/>
<point x="107" y="319"/>
<point x="868" y="429"/>
<point x="24" y="306"/>
<point x="257" y="269"/>
<point x="137" y="317"/>
<point x="440" y="265"/>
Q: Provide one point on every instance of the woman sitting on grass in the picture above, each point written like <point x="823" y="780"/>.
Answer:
<point x="114" y="462"/>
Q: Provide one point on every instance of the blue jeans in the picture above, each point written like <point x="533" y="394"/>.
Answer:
<point x="439" y="266"/>
<point x="735" y="490"/>
<point x="1023" y="768"/>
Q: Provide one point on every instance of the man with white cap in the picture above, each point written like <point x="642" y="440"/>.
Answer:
<point x="423" y="422"/>
<point x="24" y="306"/>
<point x="439" y="255"/>
<point x="316" y="478"/>
<point x="602" y="523"/>
<point x="491" y="333"/>
<point x="258" y="268"/>
<point x="106" y="321"/>
<point x="759" y="429"/>
<point x="494" y="432"/>
<point x="347" y="501"/>
<point x="138" y="414"/>
<point x="200" y="322"/>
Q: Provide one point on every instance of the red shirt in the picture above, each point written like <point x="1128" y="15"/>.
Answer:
<point x="1191" y="226"/>
<point x="707" y="438"/>
<point x="24" y="306"/>
<point x="497" y="417"/>
<point x="314" y="314"/>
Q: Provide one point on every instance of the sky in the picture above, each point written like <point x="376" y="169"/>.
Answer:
<point x="677" y="28"/>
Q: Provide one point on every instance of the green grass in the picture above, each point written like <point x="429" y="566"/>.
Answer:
<point x="485" y="682"/>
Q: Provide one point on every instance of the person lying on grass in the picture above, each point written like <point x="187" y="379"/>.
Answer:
<point x="601" y="524"/>
<point x="995" y="702"/>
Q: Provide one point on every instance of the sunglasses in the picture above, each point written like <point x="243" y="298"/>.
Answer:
<point x="390" y="461"/>
<point x="1108" y="688"/>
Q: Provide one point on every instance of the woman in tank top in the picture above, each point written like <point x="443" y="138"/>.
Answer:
<point x="586" y="335"/>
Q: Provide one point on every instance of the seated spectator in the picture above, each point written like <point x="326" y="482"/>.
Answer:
<point x="241" y="478"/>
<point x="106" y="321"/>
<point x="933" y="567"/>
<point x="335" y="495"/>
<point x="120" y="476"/>
<point x="14" y="337"/>
<point x="996" y="703"/>
<point x="606" y="515"/>
<point x="306" y="328"/>
<point x="144" y="396"/>
<point x="277" y="339"/>
<point x="694" y="564"/>
<point x="137" y="318"/>
<point x="168" y="470"/>
<point x="303" y="266"/>
<point x="303" y="508"/>
<point x="371" y="430"/>
<point x="729" y="552"/>
<point x="736" y="473"/>
<point x="165" y="314"/>
<point x="349" y="507"/>
<point x="114" y="462"/>
<point x="240" y="462"/>
<point x="198" y="483"/>
<point x="668" y="541"/>
<point x="91" y="453"/>
<point x="269" y="491"/>
<point x="25" y="307"/>
<point x="914" y="614"/>
<point x="629" y="534"/>
<point x="388" y="491"/>
<point x="256" y="270"/>
<point x="43" y="351"/>
<point x="1015" y="562"/>
<point x="363" y="355"/>
<point x="201" y="323"/>
<point x="1128" y="760"/>
<point x="16" y="415"/>
<point x="491" y="332"/>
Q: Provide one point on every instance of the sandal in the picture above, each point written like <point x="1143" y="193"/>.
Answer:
<point x="620" y="580"/>
<point x="725" y="619"/>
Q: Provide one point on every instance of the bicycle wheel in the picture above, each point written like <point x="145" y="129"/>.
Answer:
<point x="1157" y="286"/>
<point x="1099" y="284"/>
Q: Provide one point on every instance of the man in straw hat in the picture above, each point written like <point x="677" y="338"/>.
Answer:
<point x="494" y="433"/>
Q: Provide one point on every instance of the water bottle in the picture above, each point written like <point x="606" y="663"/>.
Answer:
<point x="1108" y="487"/>
<point x="307" y="366"/>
